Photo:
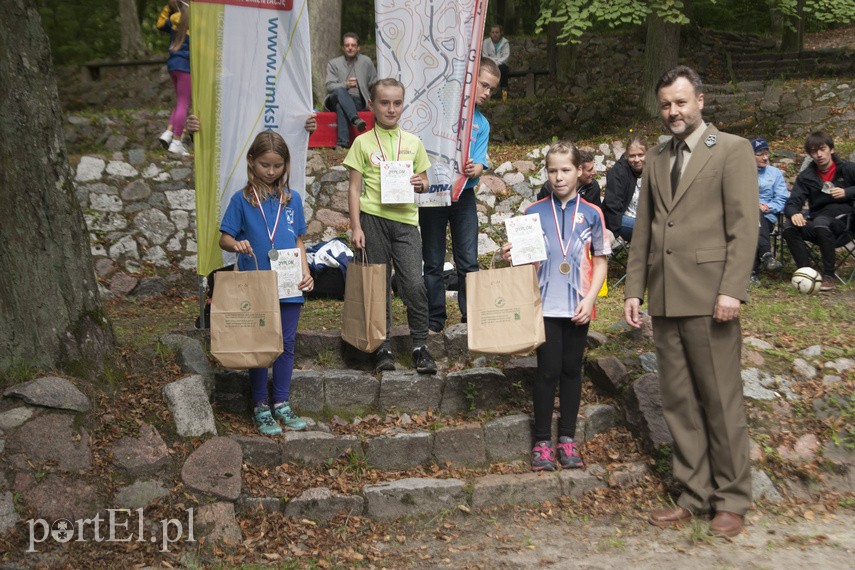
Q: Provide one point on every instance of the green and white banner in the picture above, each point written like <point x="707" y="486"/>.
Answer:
<point x="250" y="64"/>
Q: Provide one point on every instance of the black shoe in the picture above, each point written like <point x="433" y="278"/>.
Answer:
<point x="423" y="362"/>
<point x="359" y="124"/>
<point x="383" y="360"/>
<point x="770" y="263"/>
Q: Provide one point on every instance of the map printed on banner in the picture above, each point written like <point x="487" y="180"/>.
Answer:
<point x="433" y="48"/>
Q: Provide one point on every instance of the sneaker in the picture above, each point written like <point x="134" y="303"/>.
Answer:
<point x="568" y="453"/>
<point x="543" y="456"/>
<point x="360" y="125"/>
<point x="265" y="422"/>
<point x="754" y="280"/>
<point x="829" y="282"/>
<point x="282" y="411"/>
<point x="423" y="362"/>
<point x="177" y="148"/>
<point x="770" y="263"/>
<point x="383" y="360"/>
<point x="165" y="139"/>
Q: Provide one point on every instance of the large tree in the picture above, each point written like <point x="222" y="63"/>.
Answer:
<point x="325" y="24"/>
<point x="50" y="311"/>
<point x="129" y="24"/>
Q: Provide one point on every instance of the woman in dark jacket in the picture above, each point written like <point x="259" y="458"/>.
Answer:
<point x="622" y="184"/>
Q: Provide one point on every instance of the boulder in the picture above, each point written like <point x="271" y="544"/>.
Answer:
<point x="215" y="468"/>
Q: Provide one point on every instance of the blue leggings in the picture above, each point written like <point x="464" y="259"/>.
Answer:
<point x="283" y="368"/>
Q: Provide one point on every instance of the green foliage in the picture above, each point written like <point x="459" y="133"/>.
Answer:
<point x="579" y="16"/>
<point x="575" y="17"/>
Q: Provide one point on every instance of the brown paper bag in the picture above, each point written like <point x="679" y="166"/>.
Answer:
<point x="246" y="324"/>
<point x="363" y="318"/>
<point x="504" y="310"/>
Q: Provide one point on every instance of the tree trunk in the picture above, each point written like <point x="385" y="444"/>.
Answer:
<point x="50" y="311"/>
<point x="793" y="38"/>
<point x="509" y="18"/>
<point x="129" y="23"/>
<point x="660" y="54"/>
<point x="561" y="60"/>
<point x="325" y="26"/>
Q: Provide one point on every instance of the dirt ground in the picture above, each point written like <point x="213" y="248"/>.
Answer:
<point x="514" y="539"/>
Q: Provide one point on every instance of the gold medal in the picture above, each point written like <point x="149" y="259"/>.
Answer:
<point x="564" y="268"/>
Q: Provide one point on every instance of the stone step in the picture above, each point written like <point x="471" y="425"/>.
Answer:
<point x="423" y="496"/>
<point x="473" y="444"/>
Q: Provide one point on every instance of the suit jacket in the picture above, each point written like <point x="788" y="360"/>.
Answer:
<point x="688" y="249"/>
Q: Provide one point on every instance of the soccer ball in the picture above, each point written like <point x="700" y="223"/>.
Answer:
<point x="807" y="280"/>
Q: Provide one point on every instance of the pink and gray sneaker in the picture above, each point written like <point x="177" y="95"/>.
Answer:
<point x="543" y="456"/>
<point x="568" y="453"/>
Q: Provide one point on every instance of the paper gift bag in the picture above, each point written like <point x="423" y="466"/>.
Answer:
<point x="504" y="310"/>
<point x="363" y="318"/>
<point x="246" y="325"/>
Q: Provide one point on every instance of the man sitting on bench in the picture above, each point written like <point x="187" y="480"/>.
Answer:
<point x="348" y="78"/>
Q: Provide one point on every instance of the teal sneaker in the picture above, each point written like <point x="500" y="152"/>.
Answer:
<point x="283" y="411"/>
<point x="265" y="422"/>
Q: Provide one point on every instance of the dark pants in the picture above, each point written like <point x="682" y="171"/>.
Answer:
<point x="764" y="240"/>
<point x="346" y="107"/>
<point x="283" y="367"/>
<point x="463" y="219"/>
<point x="503" y="78"/>
<point x="398" y="244"/>
<point x="559" y="363"/>
<point x="820" y="230"/>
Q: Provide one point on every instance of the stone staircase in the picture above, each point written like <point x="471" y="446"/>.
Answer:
<point x="489" y="431"/>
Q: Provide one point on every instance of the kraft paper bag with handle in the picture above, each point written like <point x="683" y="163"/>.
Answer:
<point x="363" y="318"/>
<point x="246" y="325"/>
<point x="504" y="310"/>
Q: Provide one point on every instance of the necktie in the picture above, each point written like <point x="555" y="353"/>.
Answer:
<point x="678" y="166"/>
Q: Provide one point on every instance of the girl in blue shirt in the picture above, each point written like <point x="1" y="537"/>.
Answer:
<point x="570" y="278"/>
<point x="266" y="216"/>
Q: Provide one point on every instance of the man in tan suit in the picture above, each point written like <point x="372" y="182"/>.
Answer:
<point x="692" y="250"/>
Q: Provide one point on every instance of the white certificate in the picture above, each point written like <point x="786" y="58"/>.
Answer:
<point x="395" y="187"/>
<point x="526" y="237"/>
<point x="289" y="271"/>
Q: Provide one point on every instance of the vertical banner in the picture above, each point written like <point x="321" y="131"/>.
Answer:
<point x="250" y="64"/>
<point x="433" y="48"/>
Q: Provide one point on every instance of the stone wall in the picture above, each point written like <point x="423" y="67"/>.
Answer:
<point x="141" y="212"/>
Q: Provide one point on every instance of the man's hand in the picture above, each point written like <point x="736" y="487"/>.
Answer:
<point x="838" y="193"/>
<point x="726" y="308"/>
<point x="798" y="220"/>
<point x="351" y="83"/>
<point x="311" y="123"/>
<point x="631" y="312"/>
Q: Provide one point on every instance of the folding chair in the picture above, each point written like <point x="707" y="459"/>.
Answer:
<point x="844" y="247"/>
<point x="776" y="236"/>
<point x="619" y="258"/>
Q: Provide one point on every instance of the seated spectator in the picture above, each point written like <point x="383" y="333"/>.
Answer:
<point x="773" y="196"/>
<point x="497" y="48"/>
<point x="623" y="182"/>
<point x="586" y="186"/>
<point x="349" y="77"/>
<point x="827" y="186"/>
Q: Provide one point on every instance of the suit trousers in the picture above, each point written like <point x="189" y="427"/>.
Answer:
<point x="701" y="383"/>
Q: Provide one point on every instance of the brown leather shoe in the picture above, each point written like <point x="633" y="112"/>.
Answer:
<point x="674" y="516"/>
<point x="726" y="524"/>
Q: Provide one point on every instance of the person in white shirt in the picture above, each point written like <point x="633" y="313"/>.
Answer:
<point x="497" y="48"/>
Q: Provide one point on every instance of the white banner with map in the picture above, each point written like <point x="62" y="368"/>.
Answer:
<point x="433" y="48"/>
